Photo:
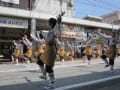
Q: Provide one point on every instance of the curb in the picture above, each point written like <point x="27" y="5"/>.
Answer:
<point x="35" y="67"/>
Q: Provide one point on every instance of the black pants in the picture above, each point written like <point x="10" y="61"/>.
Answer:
<point x="118" y="54"/>
<point x="104" y="58"/>
<point x="29" y="58"/>
<point x="48" y="69"/>
<point x="61" y="57"/>
<point x="89" y="57"/>
<point x="111" y="61"/>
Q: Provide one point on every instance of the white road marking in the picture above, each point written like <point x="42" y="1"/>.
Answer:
<point x="87" y="83"/>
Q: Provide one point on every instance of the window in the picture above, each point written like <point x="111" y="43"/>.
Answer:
<point x="10" y="4"/>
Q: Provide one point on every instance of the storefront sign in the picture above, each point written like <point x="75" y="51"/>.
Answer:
<point x="13" y="22"/>
<point x="72" y="34"/>
<point x="71" y="31"/>
<point x="11" y="1"/>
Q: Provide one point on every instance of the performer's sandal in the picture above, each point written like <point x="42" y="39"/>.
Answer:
<point x="50" y="86"/>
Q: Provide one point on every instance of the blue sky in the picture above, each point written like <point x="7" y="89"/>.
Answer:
<point x="95" y="7"/>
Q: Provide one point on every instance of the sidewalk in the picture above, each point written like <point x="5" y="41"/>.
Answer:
<point x="33" y="66"/>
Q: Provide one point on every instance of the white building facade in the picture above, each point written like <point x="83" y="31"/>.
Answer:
<point x="54" y="7"/>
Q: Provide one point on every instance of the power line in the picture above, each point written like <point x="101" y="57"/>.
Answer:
<point x="107" y="4"/>
<point x="101" y="5"/>
<point x="96" y="4"/>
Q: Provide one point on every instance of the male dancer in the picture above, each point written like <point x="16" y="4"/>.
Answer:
<point x="47" y="59"/>
<point x="105" y="55"/>
<point x="111" y="51"/>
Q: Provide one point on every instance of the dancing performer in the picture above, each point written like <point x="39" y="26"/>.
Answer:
<point x="28" y="54"/>
<point x="61" y="50"/>
<point x="98" y="51"/>
<point x="88" y="49"/>
<point x="89" y="53"/>
<point x="68" y="49"/>
<point x="16" y="53"/>
<point x="40" y="50"/>
<point x="72" y="52"/>
<point x="111" y="51"/>
<point x="105" y="55"/>
<point x="47" y="59"/>
<point x="12" y="48"/>
<point x="118" y="49"/>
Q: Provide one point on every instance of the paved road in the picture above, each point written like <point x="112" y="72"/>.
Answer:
<point x="20" y="77"/>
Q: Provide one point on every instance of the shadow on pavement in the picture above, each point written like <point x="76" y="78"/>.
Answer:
<point x="38" y="85"/>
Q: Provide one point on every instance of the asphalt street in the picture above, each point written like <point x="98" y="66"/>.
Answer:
<point x="23" y="77"/>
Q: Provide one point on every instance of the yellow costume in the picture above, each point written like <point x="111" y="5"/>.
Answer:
<point x="99" y="52"/>
<point x="29" y="53"/>
<point x="118" y="51"/>
<point x="67" y="54"/>
<point x="16" y="53"/>
<point x="40" y="51"/>
<point x="88" y="50"/>
<point x="49" y="55"/>
<point x="110" y="52"/>
<point x="72" y="53"/>
<point x="61" y="52"/>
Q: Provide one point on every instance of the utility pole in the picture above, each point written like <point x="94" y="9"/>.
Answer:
<point x="59" y="19"/>
<point x="30" y="4"/>
<point x="61" y="2"/>
<point x="112" y="27"/>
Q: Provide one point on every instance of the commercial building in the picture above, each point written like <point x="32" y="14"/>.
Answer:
<point x="23" y="16"/>
<point x="93" y="18"/>
<point x="112" y="18"/>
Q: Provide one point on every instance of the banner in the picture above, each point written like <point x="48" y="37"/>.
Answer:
<point x="11" y="1"/>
